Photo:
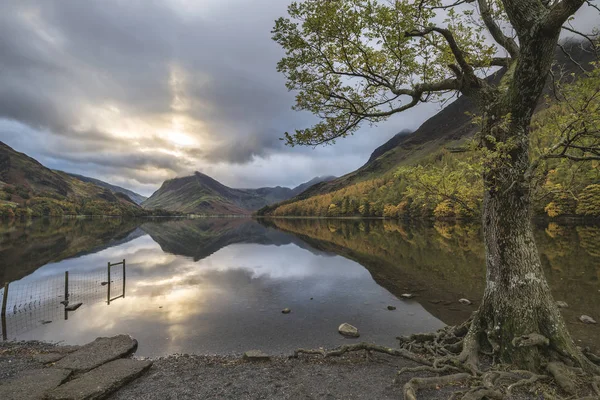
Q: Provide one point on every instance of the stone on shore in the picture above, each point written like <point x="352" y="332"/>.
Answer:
<point x="466" y="302"/>
<point x="407" y="295"/>
<point x="33" y="384"/>
<point x="256" y="355"/>
<point x="586" y="319"/>
<point x="286" y="311"/>
<point x="102" y="381"/>
<point x="98" y="352"/>
<point x="562" y="304"/>
<point x="391" y="308"/>
<point x="47" y="358"/>
<point x="348" y="330"/>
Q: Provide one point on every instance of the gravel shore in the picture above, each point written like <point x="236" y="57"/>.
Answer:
<point x="351" y="376"/>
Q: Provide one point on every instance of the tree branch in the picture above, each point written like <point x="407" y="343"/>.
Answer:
<point x="459" y="55"/>
<point x="560" y="13"/>
<point x="507" y="42"/>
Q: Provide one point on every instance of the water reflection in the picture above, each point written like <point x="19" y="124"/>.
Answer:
<point x="219" y="285"/>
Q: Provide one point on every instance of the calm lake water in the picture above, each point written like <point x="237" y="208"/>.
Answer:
<point x="217" y="286"/>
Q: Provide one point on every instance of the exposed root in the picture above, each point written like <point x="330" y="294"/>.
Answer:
<point x="415" y="384"/>
<point x="533" y="339"/>
<point x="452" y="354"/>
<point x="364" y="346"/>
<point x="525" y="382"/>
<point x="427" y="368"/>
<point x="481" y="393"/>
<point x="591" y="356"/>
<point x="563" y="377"/>
<point x="596" y="385"/>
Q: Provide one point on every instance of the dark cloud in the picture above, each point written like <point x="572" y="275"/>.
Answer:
<point x="135" y="92"/>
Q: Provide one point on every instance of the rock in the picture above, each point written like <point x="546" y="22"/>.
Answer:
<point x="256" y="355"/>
<point x="33" y="384"/>
<point x="311" y="298"/>
<point x="407" y="296"/>
<point x="561" y="304"/>
<point x="466" y="302"/>
<point x="102" y="381"/>
<point x="73" y="307"/>
<point x="47" y="358"/>
<point x="98" y="352"/>
<point x="286" y="311"/>
<point x="348" y="330"/>
<point x="391" y="308"/>
<point x="586" y="319"/>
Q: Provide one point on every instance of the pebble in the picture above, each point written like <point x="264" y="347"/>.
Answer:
<point x="407" y="295"/>
<point x="286" y="311"/>
<point x="562" y="304"/>
<point x="256" y="355"/>
<point x="348" y="330"/>
<point x="391" y="308"/>
<point x="586" y="319"/>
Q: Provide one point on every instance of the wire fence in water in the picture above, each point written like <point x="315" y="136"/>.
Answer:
<point x="25" y="305"/>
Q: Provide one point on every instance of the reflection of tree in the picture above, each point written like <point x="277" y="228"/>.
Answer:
<point x="402" y="257"/>
<point x="589" y="238"/>
<point x="26" y="247"/>
<point x="444" y="262"/>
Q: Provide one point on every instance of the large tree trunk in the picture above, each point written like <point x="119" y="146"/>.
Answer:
<point x="517" y="300"/>
<point x="518" y="312"/>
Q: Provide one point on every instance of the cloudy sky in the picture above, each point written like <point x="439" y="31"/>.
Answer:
<point x="134" y="92"/>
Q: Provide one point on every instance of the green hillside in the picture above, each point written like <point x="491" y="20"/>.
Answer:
<point x="376" y="189"/>
<point x="27" y="188"/>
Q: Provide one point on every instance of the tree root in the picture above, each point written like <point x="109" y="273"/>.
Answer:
<point x="364" y="346"/>
<point x="416" y="384"/>
<point x="452" y="354"/>
<point x="562" y="376"/>
<point x="533" y="339"/>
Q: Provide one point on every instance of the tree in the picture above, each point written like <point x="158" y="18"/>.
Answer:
<point x="361" y="61"/>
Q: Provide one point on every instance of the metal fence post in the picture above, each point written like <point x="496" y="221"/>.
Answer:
<point x="3" y="313"/>
<point x="123" y="278"/>
<point x="108" y="289"/>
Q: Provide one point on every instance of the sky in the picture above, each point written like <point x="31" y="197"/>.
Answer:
<point x="134" y="92"/>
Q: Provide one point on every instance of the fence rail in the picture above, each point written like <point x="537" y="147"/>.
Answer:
<point x="29" y="304"/>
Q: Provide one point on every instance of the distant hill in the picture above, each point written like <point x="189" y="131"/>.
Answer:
<point x="201" y="194"/>
<point x="27" y="188"/>
<point x="137" y="198"/>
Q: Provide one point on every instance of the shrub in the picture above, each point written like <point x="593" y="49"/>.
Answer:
<point x="588" y="203"/>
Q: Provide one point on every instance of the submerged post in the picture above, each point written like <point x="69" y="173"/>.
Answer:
<point x="123" y="278"/>
<point x="108" y="289"/>
<point x="66" y="286"/>
<point x="66" y="303"/>
<point x="3" y="313"/>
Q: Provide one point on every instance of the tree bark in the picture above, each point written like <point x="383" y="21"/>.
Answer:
<point x="517" y="306"/>
<point x="517" y="300"/>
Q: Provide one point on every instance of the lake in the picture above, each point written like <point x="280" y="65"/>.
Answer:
<point x="218" y="285"/>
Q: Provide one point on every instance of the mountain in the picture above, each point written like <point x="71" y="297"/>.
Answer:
<point x="319" y="179"/>
<point x="448" y="129"/>
<point x="201" y="194"/>
<point x="137" y="198"/>
<point x="27" y="188"/>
